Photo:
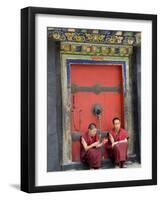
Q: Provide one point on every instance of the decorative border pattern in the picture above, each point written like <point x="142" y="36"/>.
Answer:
<point x="95" y="36"/>
<point x="95" y="49"/>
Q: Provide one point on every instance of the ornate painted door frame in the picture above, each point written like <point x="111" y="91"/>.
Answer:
<point x="68" y="58"/>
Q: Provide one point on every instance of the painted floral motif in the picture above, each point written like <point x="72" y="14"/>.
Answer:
<point x="95" y="36"/>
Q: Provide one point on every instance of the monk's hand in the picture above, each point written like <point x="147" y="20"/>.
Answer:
<point x="94" y="144"/>
<point x="111" y="138"/>
<point x="105" y="140"/>
<point x="114" y="143"/>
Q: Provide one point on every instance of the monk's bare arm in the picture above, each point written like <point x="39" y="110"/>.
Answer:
<point x="102" y="143"/>
<point x="113" y="141"/>
<point x="121" y="141"/>
<point x="86" y="147"/>
<point x="111" y="138"/>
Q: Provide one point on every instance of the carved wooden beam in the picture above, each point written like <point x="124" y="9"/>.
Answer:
<point x="95" y="49"/>
<point x="95" y="88"/>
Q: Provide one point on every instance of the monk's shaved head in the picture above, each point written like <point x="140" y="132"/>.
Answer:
<point x="116" y="124"/>
<point x="114" y="119"/>
<point x="92" y="129"/>
<point x="92" y="126"/>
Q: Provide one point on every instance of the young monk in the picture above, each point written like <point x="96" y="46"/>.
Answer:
<point x="91" y="153"/>
<point x="118" y="143"/>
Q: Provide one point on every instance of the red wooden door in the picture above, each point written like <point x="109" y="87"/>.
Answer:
<point x="95" y="84"/>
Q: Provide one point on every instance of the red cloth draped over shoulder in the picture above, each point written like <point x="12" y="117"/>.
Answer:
<point x="92" y="157"/>
<point x="122" y="134"/>
<point x="90" y="139"/>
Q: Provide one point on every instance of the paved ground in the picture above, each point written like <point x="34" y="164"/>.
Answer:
<point x="133" y="165"/>
<point x="128" y="164"/>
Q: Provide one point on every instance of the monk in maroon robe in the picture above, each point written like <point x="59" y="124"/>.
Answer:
<point x="91" y="153"/>
<point x="117" y="145"/>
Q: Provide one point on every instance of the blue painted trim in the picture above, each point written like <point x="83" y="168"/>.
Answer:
<point x="79" y="61"/>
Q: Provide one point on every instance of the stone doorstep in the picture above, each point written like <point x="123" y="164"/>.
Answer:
<point x="105" y="164"/>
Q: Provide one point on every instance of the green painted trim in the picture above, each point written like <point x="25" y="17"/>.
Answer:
<point x="96" y="49"/>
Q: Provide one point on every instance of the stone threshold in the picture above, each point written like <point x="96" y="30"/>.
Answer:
<point x="105" y="164"/>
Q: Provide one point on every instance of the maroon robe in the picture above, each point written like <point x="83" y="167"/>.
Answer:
<point x="119" y="151"/>
<point x="92" y="157"/>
